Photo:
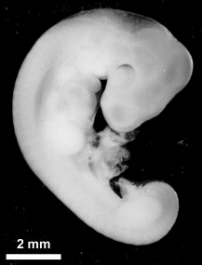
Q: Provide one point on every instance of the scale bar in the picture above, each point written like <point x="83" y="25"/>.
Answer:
<point x="33" y="256"/>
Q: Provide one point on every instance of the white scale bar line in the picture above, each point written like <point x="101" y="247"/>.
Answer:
<point x="33" y="256"/>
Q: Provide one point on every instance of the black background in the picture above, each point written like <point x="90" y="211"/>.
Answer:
<point x="168" y="147"/>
